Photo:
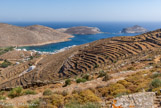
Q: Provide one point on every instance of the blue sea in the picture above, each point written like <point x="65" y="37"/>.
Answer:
<point x="110" y="29"/>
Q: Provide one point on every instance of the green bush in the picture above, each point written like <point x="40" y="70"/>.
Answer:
<point x="67" y="82"/>
<point x="87" y="77"/>
<point x="96" y="66"/>
<point x="34" y="104"/>
<point x="156" y="83"/>
<point x="16" y="92"/>
<point x="81" y="80"/>
<point x="2" y="97"/>
<point x="102" y="74"/>
<point x="47" y="92"/>
<point x="5" y="64"/>
<point x="27" y="92"/>
<point x="4" y="50"/>
<point x="156" y="75"/>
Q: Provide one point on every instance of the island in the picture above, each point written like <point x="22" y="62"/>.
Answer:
<point x="134" y="29"/>
<point x="80" y="30"/>
<point x="34" y="35"/>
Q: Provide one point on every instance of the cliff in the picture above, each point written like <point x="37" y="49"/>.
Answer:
<point x="27" y="36"/>
<point x="81" y="30"/>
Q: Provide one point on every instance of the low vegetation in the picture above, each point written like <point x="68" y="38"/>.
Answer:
<point x="19" y="91"/>
<point x="4" y="50"/>
<point x="47" y="92"/>
<point x="5" y="64"/>
<point x="67" y="82"/>
<point x="81" y="80"/>
<point x="16" y="92"/>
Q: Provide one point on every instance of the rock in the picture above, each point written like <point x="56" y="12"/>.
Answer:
<point x="81" y="30"/>
<point x="134" y="29"/>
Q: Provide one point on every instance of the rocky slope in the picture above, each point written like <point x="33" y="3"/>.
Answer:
<point x="134" y="29"/>
<point x="32" y="35"/>
<point x="82" y="30"/>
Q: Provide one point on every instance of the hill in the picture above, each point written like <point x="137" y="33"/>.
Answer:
<point x="28" y="36"/>
<point x="134" y="29"/>
<point x="110" y="54"/>
<point x="80" y="30"/>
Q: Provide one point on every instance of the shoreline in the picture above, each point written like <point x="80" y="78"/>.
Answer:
<point x="49" y="42"/>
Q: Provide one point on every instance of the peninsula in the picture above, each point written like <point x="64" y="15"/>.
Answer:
<point x="11" y="35"/>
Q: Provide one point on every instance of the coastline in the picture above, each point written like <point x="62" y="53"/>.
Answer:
<point x="67" y="38"/>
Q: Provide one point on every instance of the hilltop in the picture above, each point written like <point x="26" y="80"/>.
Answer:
<point x="29" y="36"/>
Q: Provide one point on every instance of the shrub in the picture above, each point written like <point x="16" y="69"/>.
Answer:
<point x="81" y="80"/>
<point x="16" y="92"/>
<point x="5" y="64"/>
<point x="114" y="61"/>
<point x="87" y="77"/>
<point x="34" y="104"/>
<point x="57" y="100"/>
<point x="104" y="91"/>
<point x="157" y="90"/>
<point x="64" y="93"/>
<point x="155" y="75"/>
<point x="96" y="66"/>
<point x="27" y="92"/>
<point x="2" y="97"/>
<point x="47" y="92"/>
<point x="67" y="82"/>
<point x="106" y="78"/>
<point x="116" y="89"/>
<point x="107" y="57"/>
<point x="125" y="83"/>
<point x="31" y="57"/>
<point x="155" y="83"/>
<point x="101" y="74"/>
<point x="86" y="96"/>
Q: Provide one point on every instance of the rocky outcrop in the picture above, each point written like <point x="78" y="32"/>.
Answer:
<point x="82" y="30"/>
<point x="137" y="100"/>
<point x="134" y="29"/>
<point x="27" y="36"/>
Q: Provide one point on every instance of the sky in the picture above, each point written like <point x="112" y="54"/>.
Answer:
<point x="80" y="10"/>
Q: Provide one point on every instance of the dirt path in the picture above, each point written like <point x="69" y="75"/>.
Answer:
<point x="82" y="86"/>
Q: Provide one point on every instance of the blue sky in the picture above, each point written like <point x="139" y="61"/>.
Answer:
<point x="80" y="10"/>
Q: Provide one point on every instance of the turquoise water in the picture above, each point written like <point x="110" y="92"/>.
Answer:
<point x="111" y="29"/>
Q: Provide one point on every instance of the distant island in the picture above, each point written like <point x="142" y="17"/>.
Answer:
<point x="80" y="30"/>
<point x="134" y="29"/>
<point x="29" y="36"/>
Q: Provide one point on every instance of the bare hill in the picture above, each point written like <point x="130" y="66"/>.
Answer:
<point x="32" y="35"/>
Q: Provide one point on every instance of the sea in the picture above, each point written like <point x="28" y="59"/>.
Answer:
<point x="109" y="29"/>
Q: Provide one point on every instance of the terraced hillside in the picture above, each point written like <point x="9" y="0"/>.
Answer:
<point x="109" y="53"/>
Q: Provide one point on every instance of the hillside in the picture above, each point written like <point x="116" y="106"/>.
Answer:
<point x="97" y="74"/>
<point x="27" y="36"/>
<point x="111" y="54"/>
